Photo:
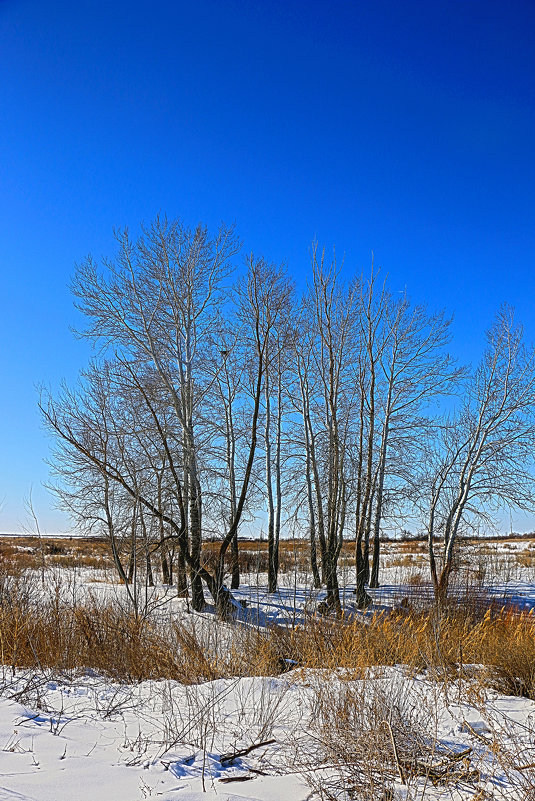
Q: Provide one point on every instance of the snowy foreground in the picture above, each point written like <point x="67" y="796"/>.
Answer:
<point x="307" y="734"/>
<point x="89" y="739"/>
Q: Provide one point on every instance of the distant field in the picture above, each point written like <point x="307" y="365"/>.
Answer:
<point x="483" y="561"/>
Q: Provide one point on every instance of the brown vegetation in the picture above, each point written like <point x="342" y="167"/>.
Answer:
<point x="41" y="629"/>
<point x="22" y="553"/>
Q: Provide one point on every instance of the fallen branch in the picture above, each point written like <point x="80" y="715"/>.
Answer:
<point x="476" y="734"/>
<point x="244" y="751"/>
<point x="395" y="750"/>
<point x="458" y="755"/>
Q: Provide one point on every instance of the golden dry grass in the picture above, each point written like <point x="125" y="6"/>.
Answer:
<point x="18" y="554"/>
<point x="405" y="560"/>
<point x="525" y="559"/>
<point x="54" y="632"/>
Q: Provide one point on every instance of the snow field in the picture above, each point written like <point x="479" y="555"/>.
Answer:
<point x="89" y="739"/>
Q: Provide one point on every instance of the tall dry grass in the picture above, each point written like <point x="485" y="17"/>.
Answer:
<point x="45" y="628"/>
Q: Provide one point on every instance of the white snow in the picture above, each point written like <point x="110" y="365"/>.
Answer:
<point x="91" y="739"/>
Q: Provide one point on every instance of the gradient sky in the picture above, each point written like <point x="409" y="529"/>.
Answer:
<point x="406" y="129"/>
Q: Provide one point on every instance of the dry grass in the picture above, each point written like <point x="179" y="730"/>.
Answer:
<point x="412" y="546"/>
<point x="18" y="554"/>
<point x="23" y="553"/>
<point x="440" y="644"/>
<point x="58" y="633"/>
<point x="374" y="735"/>
<point x="506" y="643"/>
<point x="294" y="554"/>
<point x="49" y="630"/>
<point x="525" y="559"/>
<point x="253" y="556"/>
<point x="406" y="560"/>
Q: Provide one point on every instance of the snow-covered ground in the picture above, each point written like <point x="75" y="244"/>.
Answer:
<point x="296" y="597"/>
<point x="88" y="739"/>
<point x="269" y="739"/>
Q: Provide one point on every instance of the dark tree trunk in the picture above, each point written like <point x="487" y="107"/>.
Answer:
<point x="314" y="559"/>
<point x="167" y="577"/>
<point x="131" y="566"/>
<point x="235" y="563"/>
<point x="150" y="576"/>
<point x="374" y="579"/>
<point x="363" y="600"/>
<point x="181" y="576"/>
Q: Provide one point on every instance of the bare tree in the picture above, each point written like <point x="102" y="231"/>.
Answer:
<point x="154" y="306"/>
<point x="205" y="395"/>
<point x="262" y="300"/>
<point x="305" y="374"/>
<point x="157" y="306"/>
<point x="371" y="315"/>
<point x="229" y="385"/>
<point x="415" y="370"/>
<point x="331" y="308"/>
<point x="484" y="458"/>
<point x="278" y="309"/>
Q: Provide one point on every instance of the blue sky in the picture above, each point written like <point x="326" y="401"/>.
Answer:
<point x="407" y="129"/>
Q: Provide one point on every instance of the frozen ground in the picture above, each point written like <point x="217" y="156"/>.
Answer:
<point x="88" y="740"/>
<point x="296" y="598"/>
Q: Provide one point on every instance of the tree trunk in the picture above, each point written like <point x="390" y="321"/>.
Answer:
<point x="374" y="578"/>
<point x="278" y="487"/>
<point x="181" y="575"/>
<point x="272" y="576"/>
<point x="333" y="590"/>
<point x="167" y="577"/>
<point x="197" y="593"/>
<point x="362" y="599"/>
<point x="235" y="563"/>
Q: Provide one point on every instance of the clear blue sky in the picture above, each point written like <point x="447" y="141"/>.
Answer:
<point x="403" y="128"/>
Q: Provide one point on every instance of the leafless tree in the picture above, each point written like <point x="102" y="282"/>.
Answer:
<point x="210" y="403"/>
<point x="331" y="308"/>
<point x="262" y="300"/>
<point x="484" y="457"/>
<point x="304" y="393"/>
<point x="415" y="369"/>
<point x="229" y="370"/>
<point x="153" y="305"/>
<point x="372" y="308"/>
<point x="154" y="308"/>
<point x="279" y="308"/>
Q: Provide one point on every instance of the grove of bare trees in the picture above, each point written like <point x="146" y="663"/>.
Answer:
<point x="218" y="405"/>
